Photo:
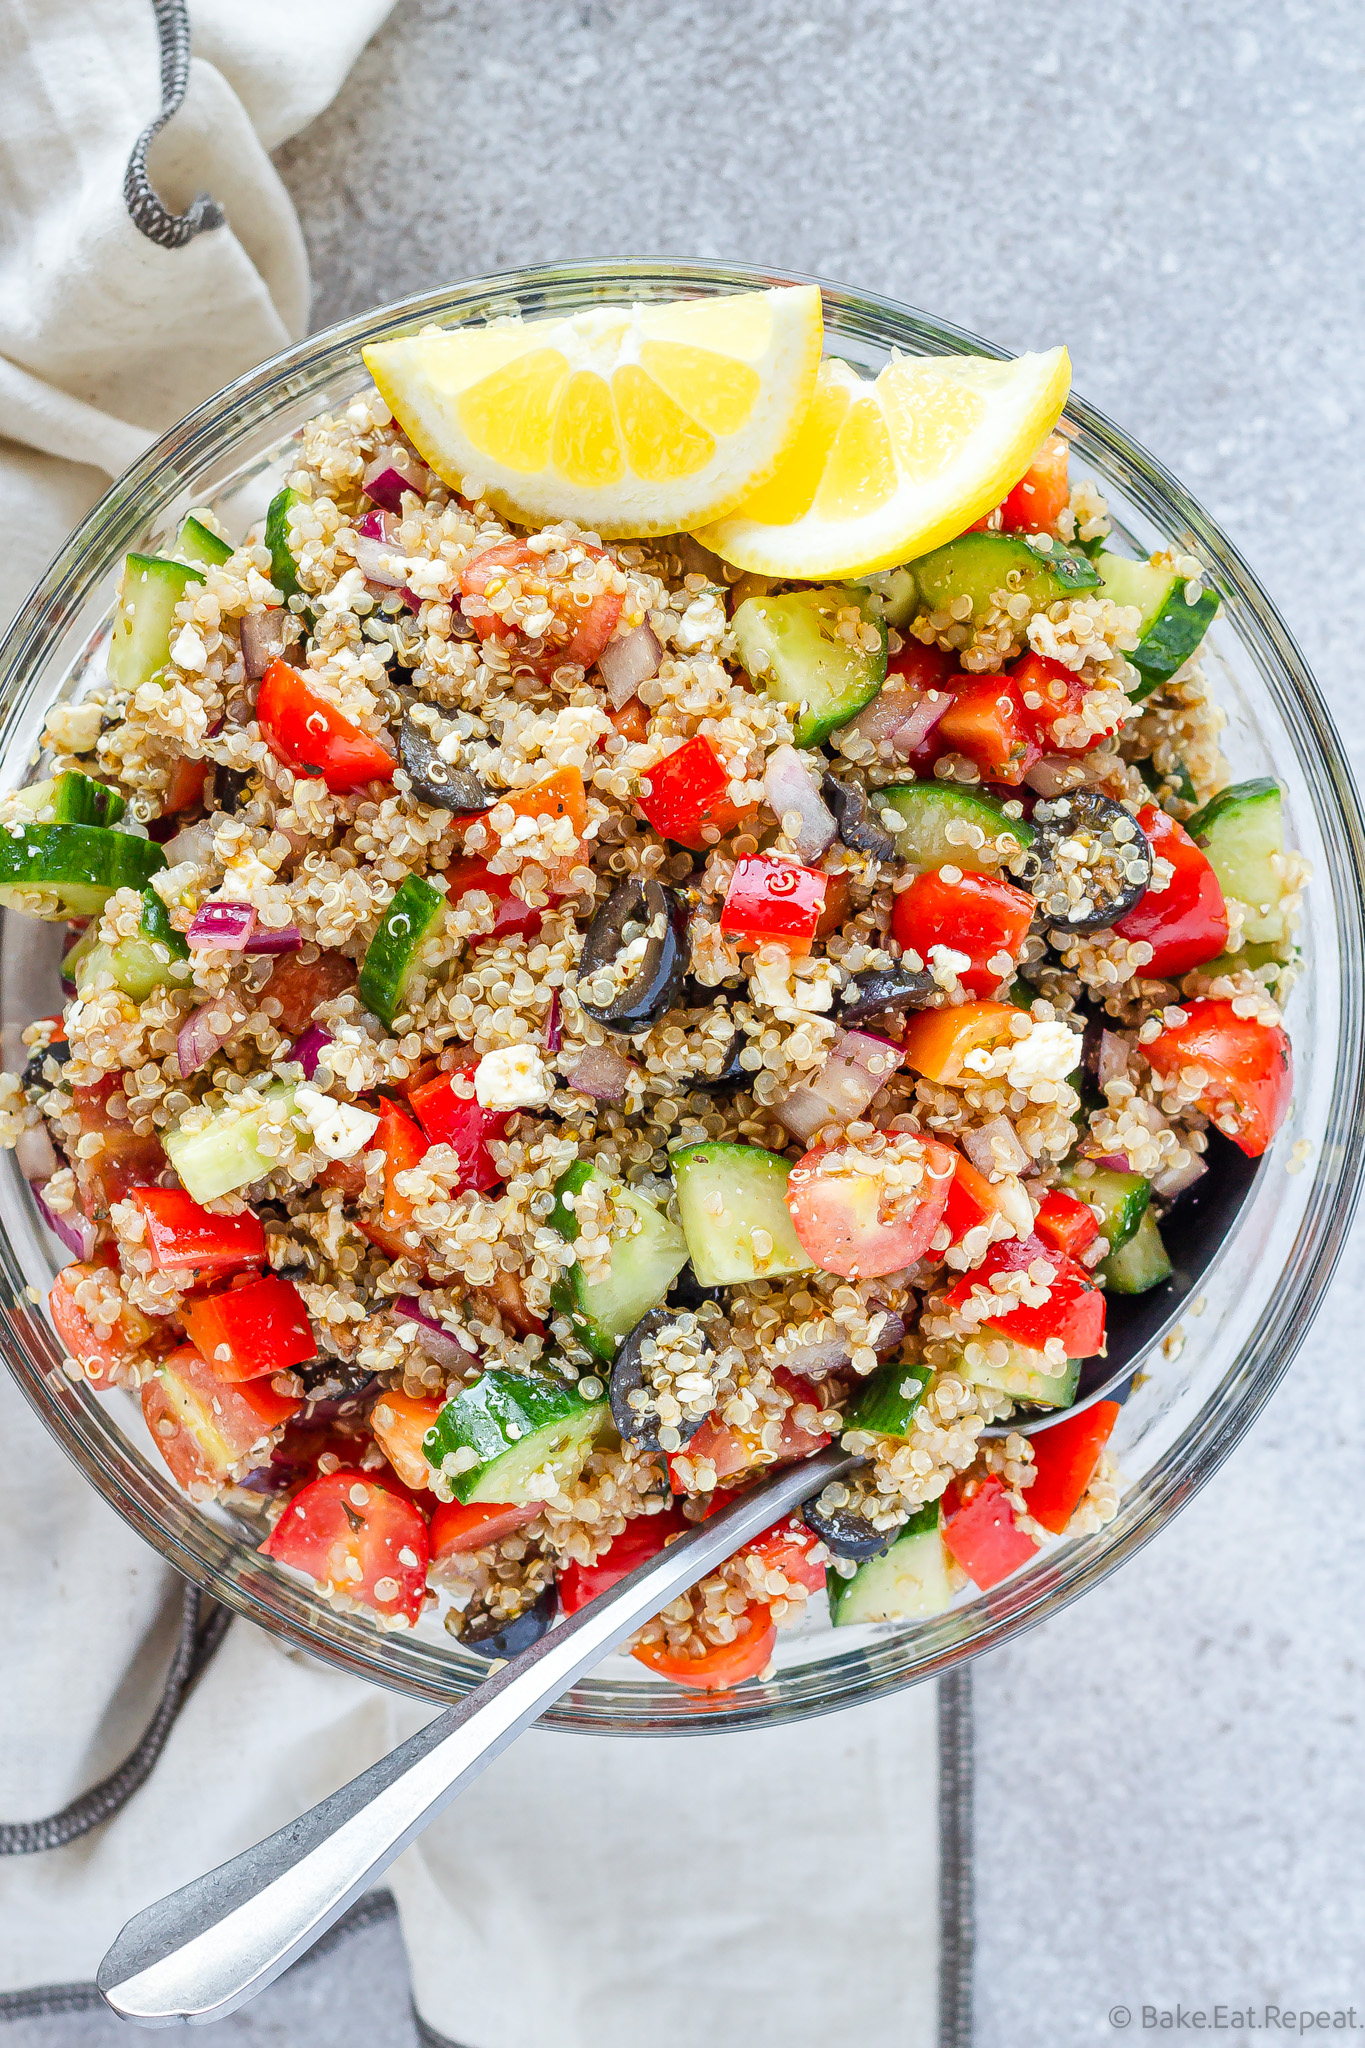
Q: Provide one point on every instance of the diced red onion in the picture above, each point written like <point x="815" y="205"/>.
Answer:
<point x="437" y="1341"/>
<point x="378" y="526"/>
<point x="858" y="1066"/>
<point x="789" y="786"/>
<point x="602" y="1073"/>
<point x="554" y="1026"/>
<point x="410" y="599"/>
<point x="993" y="1147"/>
<point x="915" y="730"/>
<point x="196" y="1041"/>
<point x="225" y="925"/>
<point x="75" y="1231"/>
<point x="308" y="1049"/>
<point x="1112" y="1063"/>
<point x="379" y="562"/>
<point x="287" y="939"/>
<point x="1055" y="775"/>
<point x="1114" y="1162"/>
<point x="1175" y="1179"/>
<point x="901" y="716"/>
<point x="194" y="843"/>
<point x="626" y="663"/>
<point x="264" y="639"/>
<point x="392" y="473"/>
<point x="36" y="1153"/>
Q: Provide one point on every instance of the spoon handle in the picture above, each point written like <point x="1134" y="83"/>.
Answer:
<point x="207" y="1948"/>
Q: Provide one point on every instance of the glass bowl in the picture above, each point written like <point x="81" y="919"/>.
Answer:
<point x="1200" y="1387"/>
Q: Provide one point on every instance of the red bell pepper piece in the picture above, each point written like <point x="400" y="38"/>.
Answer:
<point x="687" y="794"/>
<point x="642" y="1538"/>
<point x="978" y="915"/>
<point x="305" y="730"/>
<point x="1049" y="691"/>
<point x="400" y="1423"/>
<point x="722" y="1665"/>
<point x="203" y="1427"/>
<point x="353" y="1536"/>
<point x="247" y="1331"/>
<point x="1064" y="1222"/>
<point x="458" y="1525"/>
<point x="403" y="1146"/>
<point x="1186" y="923"/>
<point x="511" y="916"/>
<point x="987" y="723"/>
<point x="1065" y="1458"/>
<point x="1250" y="1068"/>
<point x="1073" y="1311"/>
<point x="462" y="1123"/>
<point x="982" y="1534"/>
<point x="182" y="1237"/>
<point x="773" y="899"/>
<point x="561" y="795"/>
<point x="972" y="1199"/>
<point x="1042" y="493"/>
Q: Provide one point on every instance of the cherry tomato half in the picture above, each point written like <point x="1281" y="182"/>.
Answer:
<point x="852" y="1222"/>
<point x="1250" y="1067"/>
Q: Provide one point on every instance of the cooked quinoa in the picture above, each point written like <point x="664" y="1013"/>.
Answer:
<point x="418" y="1275"/>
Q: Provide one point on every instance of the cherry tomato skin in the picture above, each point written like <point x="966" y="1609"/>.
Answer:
<point x="462" y="1123"/>
<point x="586" y="629"/>
<point x="838" y="1215"/>
<point x="786" y="1548"/>
<point x="773" y="899"/>
<point x="1049" y="692"/>
<point x="1074" y="1310"/>
<point x="978" y="915"/>
<point x="1065" y="1458"/>
<point x="305" y="731"/>
<point x="347" y="1519"/>
<point x="1042" y="493"/>
<point x="982" y="1534"/>
<point x="184" y="1237"/>
<point x="300" y="987"/>
<point x="642" y="1538"/>
<point x="211" y="1425"/>
<point x="458" y="1525"/>
<point x="986" y="722"/>
<point x="511" y="916"/>
<point x="1186" y="923"/>
<point x="1250" y="1065"/>
<point x="725" y="1664"/>
<point x="126" y="1161"/>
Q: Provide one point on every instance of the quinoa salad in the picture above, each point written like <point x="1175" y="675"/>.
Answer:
<point x="559" y="1024"/>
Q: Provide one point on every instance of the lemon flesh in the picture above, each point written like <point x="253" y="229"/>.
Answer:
<point x="631" y="420"/>
<point x="881" y="472"/>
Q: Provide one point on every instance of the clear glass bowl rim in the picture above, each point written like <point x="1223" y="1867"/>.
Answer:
<point x="196" y="1548"/>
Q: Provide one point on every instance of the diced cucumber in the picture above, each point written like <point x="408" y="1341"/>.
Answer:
<point x="906" y="1583"/>
<point x="1170" y="630"/>
<point x="1141" y="1264"/>
<point x="977" y="565"/>
<point x="885" y="1403"/>
<point x="893" y="593"/>
<point x="392" y="953"/>
<point x="926" y="809"/>
<point x="792" y="647"/>
<point x="225" y="1156"/>
<point x="644" y="1266"/>
<point x="1121" y="1198"/>
<point x="523" y="1427"/>
<point x="62" y="871"/>
<point x="284" y="572"/>
<point x="1026" y="1376"/>
<point x="158" y="956"/>
<point x="726" y="1194"/>
<point x="70" y="799"/>
<point x="196" y="542"/>
<point x="1242" y="832"/>
<point x="140" y="645"/>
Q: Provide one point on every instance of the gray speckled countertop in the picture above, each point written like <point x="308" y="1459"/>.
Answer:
<point x="1171" y="1803"/>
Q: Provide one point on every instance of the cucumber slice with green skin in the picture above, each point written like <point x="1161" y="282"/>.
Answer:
<point x="1169" y="629"/>
<point x="725" y="1194"/>
<point x="200" y="544"/>
<point x="225" y="1156"/>
<point x="791" y="647"/>
<point x="1121" y="1199"/>
<point x="906" y="1583"/>
<point x="926" y="809"/>
<point x="885" y="1403"/>
<point x="71" y="799"/>
<point x="1141" y="1264"/>
<point x="151" y="589"/>
<point x="158" y="956"/>
<point x="62" y="871"/>
<point x="1026" y="1376"/>
<point x="893" y="593"/>
<point x="284" y="572"/>
<point x="1241" y="830"/>
<point x="391" y="955"/>
<point x="521" y="1426"/>
<point x="976" y="565"/>
<point x="644" y="1266"/>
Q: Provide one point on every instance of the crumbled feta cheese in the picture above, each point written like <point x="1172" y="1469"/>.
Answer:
<point x="340" y="1130"/>
<point x="73" y="727"/>
<point x="513" y="1077"/>
<point x="790" y="987"/>
<point x="189" y="651"/>
<point x="702" y="625"/>
<point x="345" y="594"/>
<point x="243" y="875"/>
<point x="1049" y="1053"/>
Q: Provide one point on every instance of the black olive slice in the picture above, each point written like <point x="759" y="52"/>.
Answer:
<point x="688" y="1292"/>
<point x="489" y="1637"/>
<point x="637" y="910"/>
<point x="848" y="801"/>
<point x="846" y="1533"/>
<point x="1089" y="861"/>
<point x="228" y="787"/>
<point x="433" y="780"/>
<point x="731" y="1074"/>
<point x="878" y="989"/>
<point x="34" y="1075"/>
<point x="628" y="1376"/>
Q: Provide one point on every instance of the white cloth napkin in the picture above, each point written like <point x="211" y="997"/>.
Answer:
<point x="770" y="1888"/>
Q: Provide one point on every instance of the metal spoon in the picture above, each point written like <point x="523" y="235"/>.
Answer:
<point x="203" y="1951"/>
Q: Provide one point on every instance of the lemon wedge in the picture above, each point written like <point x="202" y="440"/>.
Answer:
<point x="631" y="420"/>
<point x="882" y="472"/>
